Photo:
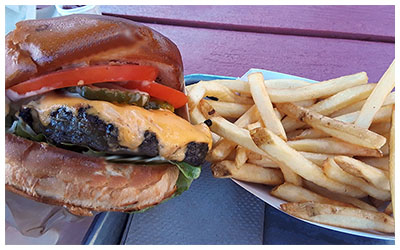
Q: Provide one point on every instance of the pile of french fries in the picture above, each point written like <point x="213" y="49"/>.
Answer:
<point x="327" y="147"/>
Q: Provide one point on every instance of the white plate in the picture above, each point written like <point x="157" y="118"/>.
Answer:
<point x="263" y="192"/>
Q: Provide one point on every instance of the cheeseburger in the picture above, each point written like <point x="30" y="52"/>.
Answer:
<point x="96" y="115"/>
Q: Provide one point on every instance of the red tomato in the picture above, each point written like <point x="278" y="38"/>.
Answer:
<point x="174" y="97"/>
<point x="82" y="76"/>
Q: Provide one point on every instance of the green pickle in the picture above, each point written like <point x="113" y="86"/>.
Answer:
<point x="120" y="96"/>
<point x="158" y="104"/>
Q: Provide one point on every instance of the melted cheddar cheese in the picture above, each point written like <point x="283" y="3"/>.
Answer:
<point x="173" y="132"/>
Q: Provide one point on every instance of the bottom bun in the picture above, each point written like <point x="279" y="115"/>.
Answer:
<point x="83" y="183"/>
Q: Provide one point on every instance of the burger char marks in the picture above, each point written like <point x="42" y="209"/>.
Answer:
<point x="85" y="130"/>
<point x="82" y="127"/>
<point x="196" y="153"/>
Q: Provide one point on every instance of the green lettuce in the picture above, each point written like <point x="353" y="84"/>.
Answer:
<point x="187" y="173"/>
<point x="22" y="129"/>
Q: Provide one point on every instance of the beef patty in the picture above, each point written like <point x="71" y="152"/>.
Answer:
<point x="84" y="129"/>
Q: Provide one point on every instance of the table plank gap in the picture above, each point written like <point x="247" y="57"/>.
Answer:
<point x="209" y="51"/>
<point x="259" y="29"/>
<point x="368" y="19"/>
<point x="374" y="23"/>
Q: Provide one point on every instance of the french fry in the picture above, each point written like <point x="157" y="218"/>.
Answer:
<point x="315" y="168"/>
<point x="196" y="117"/>
<point x="333" y="171"/>
<point x="238" y="135"/>
<point x="195" y="94"/>
<point x="305" y="103"/>
<point x="261" y="160"/>
<point x="285" y="83"/>
<point x="264" y="105"/>
<point x="383" y="115"/>
<point x="237" y="85"/>
<point x="215" y="138"/>
<point x="316" y="158"/>
<point x="339" y="197"/>
<point x="385" y="149"/>
<point x="311" y="91"/>
<point x="289" y="175"/>
<point x="343" y="131"/>
<point x="390" y="99"/>
<point x="333" y="103"/>
<point x="254" y="125"/>
<point x="206" y="109"/>
<point x="221" y="92"/>
<point x="343" y="99"/>
<point x="225" y="147"/>
<point x="317" y="90"/>
<point x="293" y="193"/>
<point x="241" y="156"/>
<point x="376" y="99"/>
<point x="265" y="161"/>
<point x="349" y="109"/>
<point x="373" y="175"/>
<point x="247" y="172"/>
<point x="250" y="116"/>
<point x="283" y="154"/>
<point x="229" y="109"/>
<point x="243" y="86"/>
<point x="381" y="163"/>
<point x="346" y="217"/>
<point x="293" y="134"/>
<point x="231" y="156"/>
<point x="332" y="146"/>
<point x="269" y="118"/>
<point x="311" y="134"/>
<point x="392" y="160"/>
<point x="278" y="114"/>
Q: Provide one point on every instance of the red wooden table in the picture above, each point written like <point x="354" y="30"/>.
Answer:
<point x="315" y="42"/>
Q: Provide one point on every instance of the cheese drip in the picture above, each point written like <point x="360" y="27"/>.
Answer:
<point x="173" y="132"/>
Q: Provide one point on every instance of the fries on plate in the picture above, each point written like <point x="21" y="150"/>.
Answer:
<point x="343" y="131"/>
<point x="376" y="99"/>
<point x="320" y="144"/>
<point x="247" y="172"/>
<point x="347" y="217"/>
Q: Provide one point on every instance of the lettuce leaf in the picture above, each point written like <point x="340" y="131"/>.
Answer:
<point x="22" y="129"/>
<point x="187" y="173"/>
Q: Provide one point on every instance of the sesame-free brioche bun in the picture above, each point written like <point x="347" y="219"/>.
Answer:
<point x="37" y="47"/>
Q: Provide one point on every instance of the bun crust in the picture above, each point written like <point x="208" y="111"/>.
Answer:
<point x="37" y="47"/>
<point x="83" y="183"/>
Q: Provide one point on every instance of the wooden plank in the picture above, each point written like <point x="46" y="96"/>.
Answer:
<point x="374" y="23"/>
<point x="232" y="53"/>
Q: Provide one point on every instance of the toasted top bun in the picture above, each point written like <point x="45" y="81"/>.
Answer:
<point x="37" y="47"/>
<point x="83" y="183"/>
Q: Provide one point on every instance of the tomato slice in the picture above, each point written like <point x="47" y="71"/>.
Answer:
<point x="174" y="97"/>
<point x="81" y="76"/>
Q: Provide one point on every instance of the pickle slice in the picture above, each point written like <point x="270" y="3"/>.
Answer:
<point x="121" y="96"/>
